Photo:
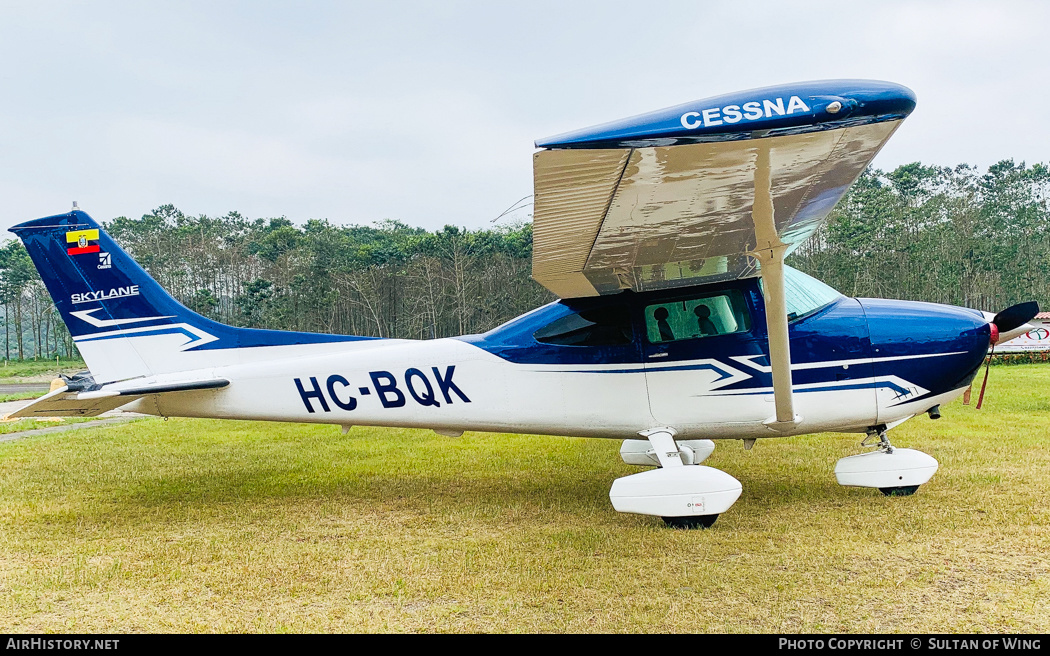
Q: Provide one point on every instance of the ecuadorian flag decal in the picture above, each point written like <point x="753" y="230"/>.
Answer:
<point x="83" y="241"/>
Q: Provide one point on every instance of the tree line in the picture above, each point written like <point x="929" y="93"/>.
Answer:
<point x="389" y="280"/>
<point x="947" y="235"/>
<point x="939" y="234"/>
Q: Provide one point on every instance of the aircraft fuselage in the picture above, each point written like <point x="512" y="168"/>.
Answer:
<point x="616" y="365"/>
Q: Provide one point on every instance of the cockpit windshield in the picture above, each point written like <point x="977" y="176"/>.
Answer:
<point x="805" y="294"/>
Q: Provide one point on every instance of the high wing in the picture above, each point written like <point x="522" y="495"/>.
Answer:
<point x="665" y="199"/>
<point x="712" y="190"/>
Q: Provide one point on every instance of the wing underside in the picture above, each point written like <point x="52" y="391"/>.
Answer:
<point x="609" y="219"/>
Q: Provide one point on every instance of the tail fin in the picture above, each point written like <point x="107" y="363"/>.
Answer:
<point x="123" y="322"/>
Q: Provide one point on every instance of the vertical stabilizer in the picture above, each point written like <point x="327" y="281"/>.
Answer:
<point x="123" y="322"/>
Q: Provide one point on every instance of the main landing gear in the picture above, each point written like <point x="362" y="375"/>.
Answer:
<point x="688" y="495"/>
<point x="682" y="491"/>
<point x="894" y="472"/>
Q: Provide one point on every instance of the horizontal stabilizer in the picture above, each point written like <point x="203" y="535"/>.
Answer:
<point x="63" y="402"/>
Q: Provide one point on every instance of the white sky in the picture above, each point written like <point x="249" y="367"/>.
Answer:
<point x="426" y="112"/>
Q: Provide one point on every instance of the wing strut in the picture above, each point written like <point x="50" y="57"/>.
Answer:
<point x="770" y="251"/>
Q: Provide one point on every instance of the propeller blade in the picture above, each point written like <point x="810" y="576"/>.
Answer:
<point x="1015" y="315"/>
<point x="1010" y="318"/>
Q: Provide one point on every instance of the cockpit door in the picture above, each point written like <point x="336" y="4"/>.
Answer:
<point x="707" y="363"/>
<point x="689" y="342"/>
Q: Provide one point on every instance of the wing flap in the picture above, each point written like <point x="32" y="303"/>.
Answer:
<point x="577" y="188"/>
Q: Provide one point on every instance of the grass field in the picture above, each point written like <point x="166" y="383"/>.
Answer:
<point x="189" y="525"/>
<point x="21" y="425"/>
<point x="21" y="396"/>
<point x="38" y="369"/>
<point x="35" y="372"/>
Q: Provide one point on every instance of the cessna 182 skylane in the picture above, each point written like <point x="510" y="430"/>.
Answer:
<point x="664" y="235"/>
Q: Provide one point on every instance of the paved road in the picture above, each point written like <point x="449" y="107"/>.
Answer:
<point x="11" y="406"/>
<point x="18" y="388"/>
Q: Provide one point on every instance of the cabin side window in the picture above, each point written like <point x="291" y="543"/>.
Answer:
<point x="723" y="313"/>
<point x="608" y="326"/>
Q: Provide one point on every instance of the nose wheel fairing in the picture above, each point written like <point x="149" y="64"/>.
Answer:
<point x="888" y="471"/>
<point x="892" y="471"/>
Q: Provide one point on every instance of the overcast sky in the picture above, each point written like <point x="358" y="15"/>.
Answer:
<point x="426" y="112"/>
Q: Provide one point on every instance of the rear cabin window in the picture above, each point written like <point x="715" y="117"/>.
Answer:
<point x="609" y="326"/>
<point x="705" y="316"/>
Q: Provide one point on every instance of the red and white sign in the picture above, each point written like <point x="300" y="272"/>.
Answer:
<point x="1036" y="339"/>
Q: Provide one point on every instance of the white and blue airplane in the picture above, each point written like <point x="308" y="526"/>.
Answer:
<point x="664" y="236"/>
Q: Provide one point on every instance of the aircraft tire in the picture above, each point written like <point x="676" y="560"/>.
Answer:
<point x="691" y="522"/>
<point x="902" y="491"/>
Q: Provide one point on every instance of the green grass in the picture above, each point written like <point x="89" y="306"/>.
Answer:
<point x="22" y="425"/>
<point x="21" y="396"/>
<point x="37" y="368"/>
<point x="191" y="525"/>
